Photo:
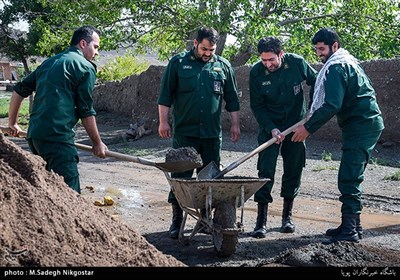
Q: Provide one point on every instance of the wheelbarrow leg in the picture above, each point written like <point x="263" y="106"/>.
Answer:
<point x="185" y="240"/>
<point x="241" y="204"/>
<point x="181" y="236"/>
<point x="201" y="224"/>
<point x="208" y="203"/>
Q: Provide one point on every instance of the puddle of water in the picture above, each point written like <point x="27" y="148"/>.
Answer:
<point x="132" y="199"/>
<point x="127" y="197"/>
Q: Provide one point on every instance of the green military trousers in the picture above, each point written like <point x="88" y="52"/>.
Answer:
<point x="294" y="158"/>
<point x="62" y="158"/>
<point x="356" y="152"/>
<point x="209" y="150"/>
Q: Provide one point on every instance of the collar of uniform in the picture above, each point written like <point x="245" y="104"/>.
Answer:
<point x="79" y="51"/>
<point x="284" y="65"/>
<point x="94" y="65"/>
<point x="75" y="49"/>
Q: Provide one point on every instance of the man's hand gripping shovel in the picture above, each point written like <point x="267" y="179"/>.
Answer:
<point x="211" y="170"/>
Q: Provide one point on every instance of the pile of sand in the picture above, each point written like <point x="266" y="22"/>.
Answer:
<point x="45" y="223"/>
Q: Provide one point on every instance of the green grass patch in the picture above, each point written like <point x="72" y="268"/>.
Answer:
<point x="394" y="177"/>
<point x="326" y="156"/>
<point x="379" y="161"/>
<point x="324" y="167"/>
<point x="23" y="112"/>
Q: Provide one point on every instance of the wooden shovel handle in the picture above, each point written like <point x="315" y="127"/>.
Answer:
<point x="89" y="149"/>
<point x="6" y="129"/>
<point x="118" y="155"/>
<point x="271" y="141"/>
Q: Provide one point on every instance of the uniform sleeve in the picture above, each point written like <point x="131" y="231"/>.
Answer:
<point x="310" y="77"/>
<point x="335" y="88"/>
<point x="168" y="84"/>
<point x="27" y="86"/>
<point x="257" y="105"/>
<point x="85" y="94"/>
<point x="230" y="91"/>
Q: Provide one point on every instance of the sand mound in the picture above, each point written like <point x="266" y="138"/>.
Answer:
<point x="45" y="223"/>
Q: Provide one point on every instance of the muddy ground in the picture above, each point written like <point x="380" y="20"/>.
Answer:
<point x="140" y="194"/>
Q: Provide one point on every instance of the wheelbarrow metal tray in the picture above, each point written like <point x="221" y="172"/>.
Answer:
<point x="191" y="193"/>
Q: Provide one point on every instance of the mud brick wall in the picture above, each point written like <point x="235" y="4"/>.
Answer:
<point x="136" y="96"/>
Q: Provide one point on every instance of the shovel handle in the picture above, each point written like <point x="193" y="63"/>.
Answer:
<point x="89" y="149"/>
<point x="6" y="129"/>
<point x="271" y="141"/>
<point x="118" y="155"/>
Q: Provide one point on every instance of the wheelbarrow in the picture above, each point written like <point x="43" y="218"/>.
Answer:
<point x="199" y="198"/>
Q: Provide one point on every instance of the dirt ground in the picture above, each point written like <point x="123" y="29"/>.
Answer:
<point x="44" y="223"/>
<point x="140" y="195"/>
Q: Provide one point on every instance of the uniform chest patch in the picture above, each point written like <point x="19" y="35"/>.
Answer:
<point x="217" y="86"/>
<point x="187" y="67"/>
<point x="266" y="83"/>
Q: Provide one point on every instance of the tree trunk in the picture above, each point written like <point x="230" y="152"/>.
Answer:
<point x="221" y="43"/>
<point x="241" y="58"/>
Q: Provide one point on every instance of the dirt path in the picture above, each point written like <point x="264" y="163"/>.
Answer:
<point x="140" y="193"/>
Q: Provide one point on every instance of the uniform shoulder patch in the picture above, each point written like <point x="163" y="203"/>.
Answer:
<point x="224" y="60"/>
<point x="178" y="56"/>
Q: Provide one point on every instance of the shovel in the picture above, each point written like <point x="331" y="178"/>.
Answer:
<point x="211" y="170"/>
<point x="172" y="166"/>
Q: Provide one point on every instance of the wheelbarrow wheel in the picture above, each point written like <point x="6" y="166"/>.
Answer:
<point x="225" y="233"/>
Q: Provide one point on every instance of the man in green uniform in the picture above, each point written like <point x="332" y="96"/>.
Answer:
<point x="277" y="101"/>
<point x="64" y="85"/>
<point x="196" y="83"/>
<point x="343" y="89"/>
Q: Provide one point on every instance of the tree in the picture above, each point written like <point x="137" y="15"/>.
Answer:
<point x="368" y="28"/>
<point x="16" y="44"/>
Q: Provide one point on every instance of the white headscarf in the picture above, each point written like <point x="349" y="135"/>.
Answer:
<point x="339" y="57"/>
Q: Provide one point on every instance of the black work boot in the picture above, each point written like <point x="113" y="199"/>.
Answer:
<point x="260" y="230"/>
<point x="177" y="217"/>
<point x="287" y="225"/>
<point x="348" y="230"/>
<point x="335" y="231"/>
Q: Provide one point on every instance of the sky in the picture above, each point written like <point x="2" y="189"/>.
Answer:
<point x="21" y="25"/>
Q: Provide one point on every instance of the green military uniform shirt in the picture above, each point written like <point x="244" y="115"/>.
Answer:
<point x="350" y="96"/>
<point x="196" y="91"/>
<point x="64" y="86"/>
<point x="276" y="98"/>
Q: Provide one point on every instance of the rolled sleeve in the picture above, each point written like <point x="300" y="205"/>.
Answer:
<point x="84" y="105"/>
<point x="27" y="86"/>
<point x="230" y="92"/>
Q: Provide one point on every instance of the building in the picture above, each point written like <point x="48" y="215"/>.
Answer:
<point x="8" y="71"/>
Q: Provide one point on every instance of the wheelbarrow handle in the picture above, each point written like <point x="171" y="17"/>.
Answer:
<point x="260" y="148"/>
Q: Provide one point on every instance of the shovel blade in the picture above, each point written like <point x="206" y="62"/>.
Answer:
<point x="208" y="172"/>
